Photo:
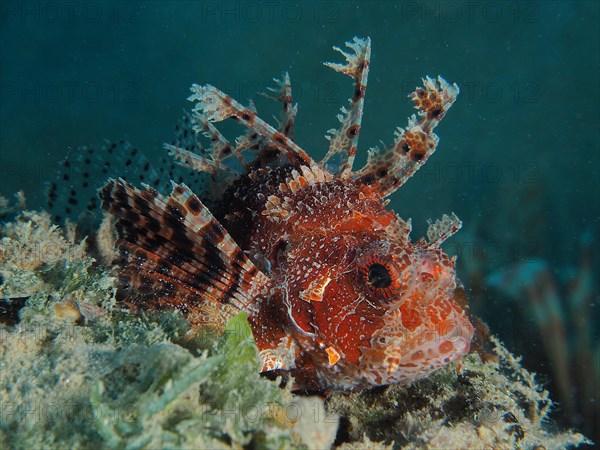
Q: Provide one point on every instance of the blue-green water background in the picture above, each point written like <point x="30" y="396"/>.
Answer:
<point x="518" y="158"/>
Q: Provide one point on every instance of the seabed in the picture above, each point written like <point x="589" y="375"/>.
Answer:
<point x="79" y="371"/>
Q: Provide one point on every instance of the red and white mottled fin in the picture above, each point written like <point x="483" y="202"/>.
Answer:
<point x="344" y="141"/>
<point x="389" y="169"/>
<point x="176" y="253"/>
<point x="216" y="106"/>
<point x="283" y="93"/>
<point x="442" y="229"/>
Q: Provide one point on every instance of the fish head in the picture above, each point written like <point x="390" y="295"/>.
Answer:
<point x="422" y="327"/>
<point x="383" y="310"/>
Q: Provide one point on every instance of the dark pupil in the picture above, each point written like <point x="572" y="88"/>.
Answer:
<point x="379" y="276"/>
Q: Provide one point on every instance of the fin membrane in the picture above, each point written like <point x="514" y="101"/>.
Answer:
<point x="74" y="190"/>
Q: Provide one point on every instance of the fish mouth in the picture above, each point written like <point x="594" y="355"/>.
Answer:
<point x="447" y="340"/>
<point x="427" y="349"/>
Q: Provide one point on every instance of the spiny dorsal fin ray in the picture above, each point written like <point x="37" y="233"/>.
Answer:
<point x="216" y="106"/>
<point x="179" y="238"/>
<point x="220" y="148"/>
<point x="344" y="141"/>
<point x="197" y="158"/>
<point x="194" y="161"/>
<point x="389" y="169"/>
<point x="442" y="229"/>
<point x="283" y="93"/>
<point x="186" y="138"/>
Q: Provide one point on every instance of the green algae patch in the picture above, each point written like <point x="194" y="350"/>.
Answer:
<point x="174" y="399"/>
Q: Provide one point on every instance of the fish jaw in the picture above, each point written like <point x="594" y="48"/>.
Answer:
<point x="406" y="356"/>
<point x="413" y="356"/>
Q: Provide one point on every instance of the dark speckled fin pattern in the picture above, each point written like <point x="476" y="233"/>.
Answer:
<point x="84" y="170"/>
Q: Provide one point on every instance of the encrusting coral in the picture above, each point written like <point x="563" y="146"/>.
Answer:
<point x="78" y="372"/>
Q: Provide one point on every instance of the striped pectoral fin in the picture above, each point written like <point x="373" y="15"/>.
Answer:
<point x="344" y="141"/>
<point x="216" y="106"/>
<point x="175" y="246"/>
<point x="389" y="169"/>
<point x="153" y="281"/>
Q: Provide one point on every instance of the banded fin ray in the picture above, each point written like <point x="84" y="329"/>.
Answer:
<point x="190" y="158"/>
<point x="188" y="151"/>
<point x="175" y="245"/>
<point x="344" y="141"/>
<point x="283" y="93"/>
<point x="389" y="169"/>
<point x="216" y="106"/>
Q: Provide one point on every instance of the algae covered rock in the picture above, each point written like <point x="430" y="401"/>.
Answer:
<point x="172" y="398"/>
<point x="497" y="404"/>
<point x="31" y="246"/>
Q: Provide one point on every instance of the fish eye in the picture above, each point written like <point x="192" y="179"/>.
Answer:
<point x="379" y="276"/>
